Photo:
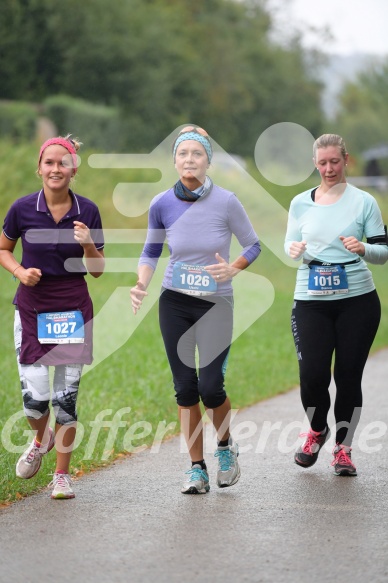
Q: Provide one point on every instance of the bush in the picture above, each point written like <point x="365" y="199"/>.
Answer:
<point x="18" y="121"/>
<point x="97" y="126"/>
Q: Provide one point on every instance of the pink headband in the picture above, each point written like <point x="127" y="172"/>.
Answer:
<point x="61" y="142"/>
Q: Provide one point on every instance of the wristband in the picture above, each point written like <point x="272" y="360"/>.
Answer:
<point x="13" y="273"/>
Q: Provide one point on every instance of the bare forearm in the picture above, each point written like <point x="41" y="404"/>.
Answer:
<point x="138" y="292"/>
<point x="94" y="260"/>
<point x="144" y="276"/>
<point x="8" y="261"/>
<point x="239" y="264"/>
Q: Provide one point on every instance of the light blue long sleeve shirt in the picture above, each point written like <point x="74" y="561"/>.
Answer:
<point x="356" y="214"/>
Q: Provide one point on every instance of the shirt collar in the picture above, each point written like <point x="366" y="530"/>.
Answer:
<point x="41" y="204"/>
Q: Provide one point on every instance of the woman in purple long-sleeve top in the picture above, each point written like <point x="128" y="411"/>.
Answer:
<point x="198" y="219"/>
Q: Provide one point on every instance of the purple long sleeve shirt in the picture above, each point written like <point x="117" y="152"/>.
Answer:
<point x="196" y="231"/>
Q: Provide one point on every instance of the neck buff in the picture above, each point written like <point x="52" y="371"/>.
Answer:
<point x="183" y="193"/>
<point x="198" y="138"/>
<point x="61" y="142"/>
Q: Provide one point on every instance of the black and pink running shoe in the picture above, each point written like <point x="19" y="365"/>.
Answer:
<point x="342" y="462"/>
<point x="307" y="454"/>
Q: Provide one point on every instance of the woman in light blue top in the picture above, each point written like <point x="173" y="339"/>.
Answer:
<point x="336" y="308"/>
<point x="198" y="219"/>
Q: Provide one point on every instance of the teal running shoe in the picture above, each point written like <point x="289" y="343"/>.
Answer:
<point x="197" y="482"/>
<point x="228" y="467"/>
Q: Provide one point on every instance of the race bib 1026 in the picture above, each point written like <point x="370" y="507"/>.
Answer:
<point x="192" y="279"/>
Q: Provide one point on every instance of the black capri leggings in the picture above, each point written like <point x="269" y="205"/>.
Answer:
<point x="346" y="327"/>
<point x="188" y="323"/>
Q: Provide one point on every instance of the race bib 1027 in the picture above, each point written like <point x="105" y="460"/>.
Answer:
<point x="61" y="327"/>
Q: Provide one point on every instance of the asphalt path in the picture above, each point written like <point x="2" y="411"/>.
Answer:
<point x="280" y="523"/>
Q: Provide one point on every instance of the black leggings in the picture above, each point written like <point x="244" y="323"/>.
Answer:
<point x="188" y="323"/>
<point x="346" y="327"/>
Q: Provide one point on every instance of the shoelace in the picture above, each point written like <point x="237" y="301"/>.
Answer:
<point x="312" y="439"/>
<point x="62" y="480"/>
<point x="197" y="474"/>
<point x="41" y="450"/>
<point x="31" y="456"/>
<point x="226" y="459"/>
<point x="342" y="458"/>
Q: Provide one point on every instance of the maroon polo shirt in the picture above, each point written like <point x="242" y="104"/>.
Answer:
<point x="47" y="245"/>
<point x="50" y="247"/>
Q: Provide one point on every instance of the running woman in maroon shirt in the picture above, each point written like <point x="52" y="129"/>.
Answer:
<point x="62" y="241"/>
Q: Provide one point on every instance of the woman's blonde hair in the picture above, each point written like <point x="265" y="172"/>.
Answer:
<point x="75" y="141"/>
<point x="327" y="140"/>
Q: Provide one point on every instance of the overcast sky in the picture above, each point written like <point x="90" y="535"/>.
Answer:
<point x="358" y="26"/>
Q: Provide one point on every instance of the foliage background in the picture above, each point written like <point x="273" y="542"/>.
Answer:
<point x="161" y="63"/>
<point x="132" y="70"/>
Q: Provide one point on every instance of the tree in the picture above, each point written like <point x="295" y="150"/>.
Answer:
<point x="162" y="63"/>
<point x="28" y="50"/>
<point x="363" y="111"/>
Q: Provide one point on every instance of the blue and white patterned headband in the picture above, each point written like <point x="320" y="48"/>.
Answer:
<point x="198" y="138"/>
